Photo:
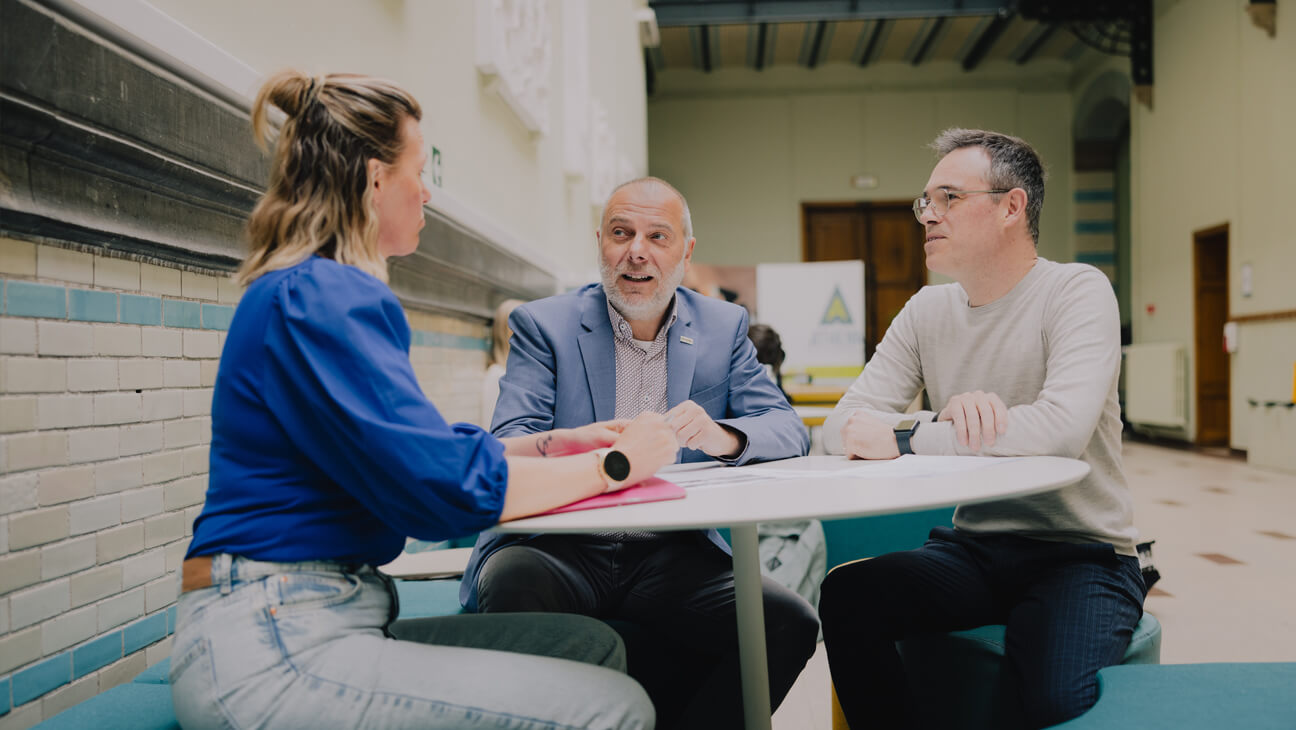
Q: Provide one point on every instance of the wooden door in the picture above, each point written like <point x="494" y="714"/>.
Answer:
<point x="886" y="238"/>
<point x="1210" y="276"/>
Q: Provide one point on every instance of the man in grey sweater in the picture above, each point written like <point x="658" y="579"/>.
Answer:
<point x="1019" y="357"/>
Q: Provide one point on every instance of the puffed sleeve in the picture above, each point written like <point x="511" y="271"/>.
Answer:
<point x="339" y="380"/>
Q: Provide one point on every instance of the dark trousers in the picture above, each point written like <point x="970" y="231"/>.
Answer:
<point x="1070" y="610"/>
<point x="678" y="590"/>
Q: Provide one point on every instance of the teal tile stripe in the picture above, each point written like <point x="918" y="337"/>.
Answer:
<point x="86" y="305"/>
<point x="179" y="313"/>
<point x="451" y="342"/>
<point x="25" y="299"/>
<point x="39" y="679"/>
<point x="96" y="654"/>
<point x="141" y="310"/>
<point x="4" y="697"/>
<point x="1095" y="227"/>
<point x="144" y="632"/>
<point x="28" y="299"/>
<point x="1095" y="196"/>
<point x="1096" y="258"/>
<point x="216" y="316"/>
<point x="171" y="619"/>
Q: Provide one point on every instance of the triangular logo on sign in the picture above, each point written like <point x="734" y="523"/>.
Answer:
<point x="836" y="312"/>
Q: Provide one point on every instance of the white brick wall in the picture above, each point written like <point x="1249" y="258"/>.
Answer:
<point x="116" y="476"/>
<point x="160" y="405"/>
<point x="67" y="629"/>
<point x="64" y="338"/>
<point x="66" y="557"/>
<point x="141" y="503"/>
<point x="92" y="515"/>
<point x="92" y="444"/>
<point x="116" y="274"/>
<point x="92" y="374"/>
<point x="66" y="485"/>
<point x="64" y="411"/>
<point x="121" y="608"/>
<point x="30" y="375"/>
<point x="37" y="604"/>
<point x="117" y="340"/>
<point x="64" y="265"/>
<point x="104" y="448"/>
<point x="159" y="342"/>
<point x="17" y="336"/>
<point x="112" y="408"/>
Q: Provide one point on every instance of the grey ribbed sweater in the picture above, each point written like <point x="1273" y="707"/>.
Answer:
<point x="1051" y="349"/>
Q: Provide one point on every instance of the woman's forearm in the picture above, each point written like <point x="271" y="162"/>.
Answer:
<point x="538" y="485"/>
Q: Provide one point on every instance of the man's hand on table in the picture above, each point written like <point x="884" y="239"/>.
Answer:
<point x="978" y="418"/>
<point x="695" y="429"/>
<point x="866" y="437"/>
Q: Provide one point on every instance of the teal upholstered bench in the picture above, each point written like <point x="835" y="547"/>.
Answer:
<point x="1255" y="696"/>
<point x="959" y="676"/>
<point x="145" y="703"/>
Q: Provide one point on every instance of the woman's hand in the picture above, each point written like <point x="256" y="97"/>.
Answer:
<point x="649" y="443"/>
<point x="564" y="441"/>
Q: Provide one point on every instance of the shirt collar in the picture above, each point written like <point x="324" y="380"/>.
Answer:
<point x="621" y="328"/>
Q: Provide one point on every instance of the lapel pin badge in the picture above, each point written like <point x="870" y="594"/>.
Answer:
<point x="686" y="340"/>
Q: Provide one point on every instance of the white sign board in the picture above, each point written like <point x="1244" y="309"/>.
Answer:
<point x="817" y="309"/>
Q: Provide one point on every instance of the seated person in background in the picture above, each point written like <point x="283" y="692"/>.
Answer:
<point x="500" y="334"/>
<point x="325" y="455"/>
<point x="769" y="352"/>
<point x="637" y="344"/>
<point x="1020" y="357"/>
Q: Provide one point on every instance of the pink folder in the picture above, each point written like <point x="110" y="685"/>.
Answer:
<point x="649" y="490"/>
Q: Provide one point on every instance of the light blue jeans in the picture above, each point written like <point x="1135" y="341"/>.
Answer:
<point x="286" y="645"/>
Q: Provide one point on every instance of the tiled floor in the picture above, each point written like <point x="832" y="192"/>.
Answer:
<point x="1225" y="545"/>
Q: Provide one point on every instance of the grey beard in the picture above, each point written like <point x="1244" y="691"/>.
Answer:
<point x="655" y="306"/>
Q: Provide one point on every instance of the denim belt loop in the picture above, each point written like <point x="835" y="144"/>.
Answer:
<point x="223" y="567"/>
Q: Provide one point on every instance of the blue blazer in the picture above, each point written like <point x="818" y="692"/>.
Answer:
<point x="561" y="373"/>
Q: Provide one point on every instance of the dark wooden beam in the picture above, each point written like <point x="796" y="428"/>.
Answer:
<point x="874" y="41"/>
<point x="1030" y="49"/>
<point x="986" y="41"/>
<point x="817" y="44"/>
<point x="924" y="45"/>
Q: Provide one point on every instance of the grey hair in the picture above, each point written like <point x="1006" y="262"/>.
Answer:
<point x="687" y="217"/>
<point x="1013" y="164"/>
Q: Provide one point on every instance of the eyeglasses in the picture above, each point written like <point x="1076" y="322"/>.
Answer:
<point x="940" y="202"/>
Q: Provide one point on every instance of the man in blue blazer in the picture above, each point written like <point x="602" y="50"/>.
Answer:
<point x="638" y="342"/>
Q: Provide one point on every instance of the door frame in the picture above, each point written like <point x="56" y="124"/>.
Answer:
<point x="1200" y="237"/>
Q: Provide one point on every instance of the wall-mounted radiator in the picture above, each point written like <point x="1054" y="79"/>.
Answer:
<point x="1155" y="385"/>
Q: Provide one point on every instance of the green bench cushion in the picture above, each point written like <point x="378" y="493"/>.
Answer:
<point x="133" y="706"/>
<point x="1255" y="696"/>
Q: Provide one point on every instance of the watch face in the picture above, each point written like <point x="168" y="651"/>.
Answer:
<point x="905" y="425"/>
<point x="616" y="465"/>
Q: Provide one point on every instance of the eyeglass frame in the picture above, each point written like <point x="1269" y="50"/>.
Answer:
<point x="919" y="209"/>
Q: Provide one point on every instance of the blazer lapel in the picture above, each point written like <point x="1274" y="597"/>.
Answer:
<point x="681" y="353"/>
<point x="598" y="355"/>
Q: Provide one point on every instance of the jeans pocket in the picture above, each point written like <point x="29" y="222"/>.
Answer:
<point x="308" y="591"/>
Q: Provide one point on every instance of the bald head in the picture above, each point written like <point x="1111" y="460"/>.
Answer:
<point x="652" y="187"/>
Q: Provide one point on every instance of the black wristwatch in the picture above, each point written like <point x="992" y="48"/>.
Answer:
<point x="904" y="431"/>
<point x="613" y="466"/>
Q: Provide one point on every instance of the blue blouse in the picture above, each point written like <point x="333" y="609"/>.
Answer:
<point x="323" y="446"/>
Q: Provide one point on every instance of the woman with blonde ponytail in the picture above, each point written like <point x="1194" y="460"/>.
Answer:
<point x="325" y="455"/>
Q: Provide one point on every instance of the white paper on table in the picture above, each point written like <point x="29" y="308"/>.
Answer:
<point x="914" y="465"/>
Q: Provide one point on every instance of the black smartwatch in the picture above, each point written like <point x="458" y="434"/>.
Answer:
<point x="613" y="466"/>
<point x="904" y="431"/>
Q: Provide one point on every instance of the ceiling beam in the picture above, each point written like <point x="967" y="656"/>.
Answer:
<point x="923" y="42"/>
<point x="758" y="37"/>
<point x="1031" y="44"/>
<point x="986" y="41"/>
<point x="873" y="45"/>
<point x="731" y="12"/>
<point x="816" y="46"/>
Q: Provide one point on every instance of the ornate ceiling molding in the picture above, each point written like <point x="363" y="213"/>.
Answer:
<point x="514" y="54"/>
